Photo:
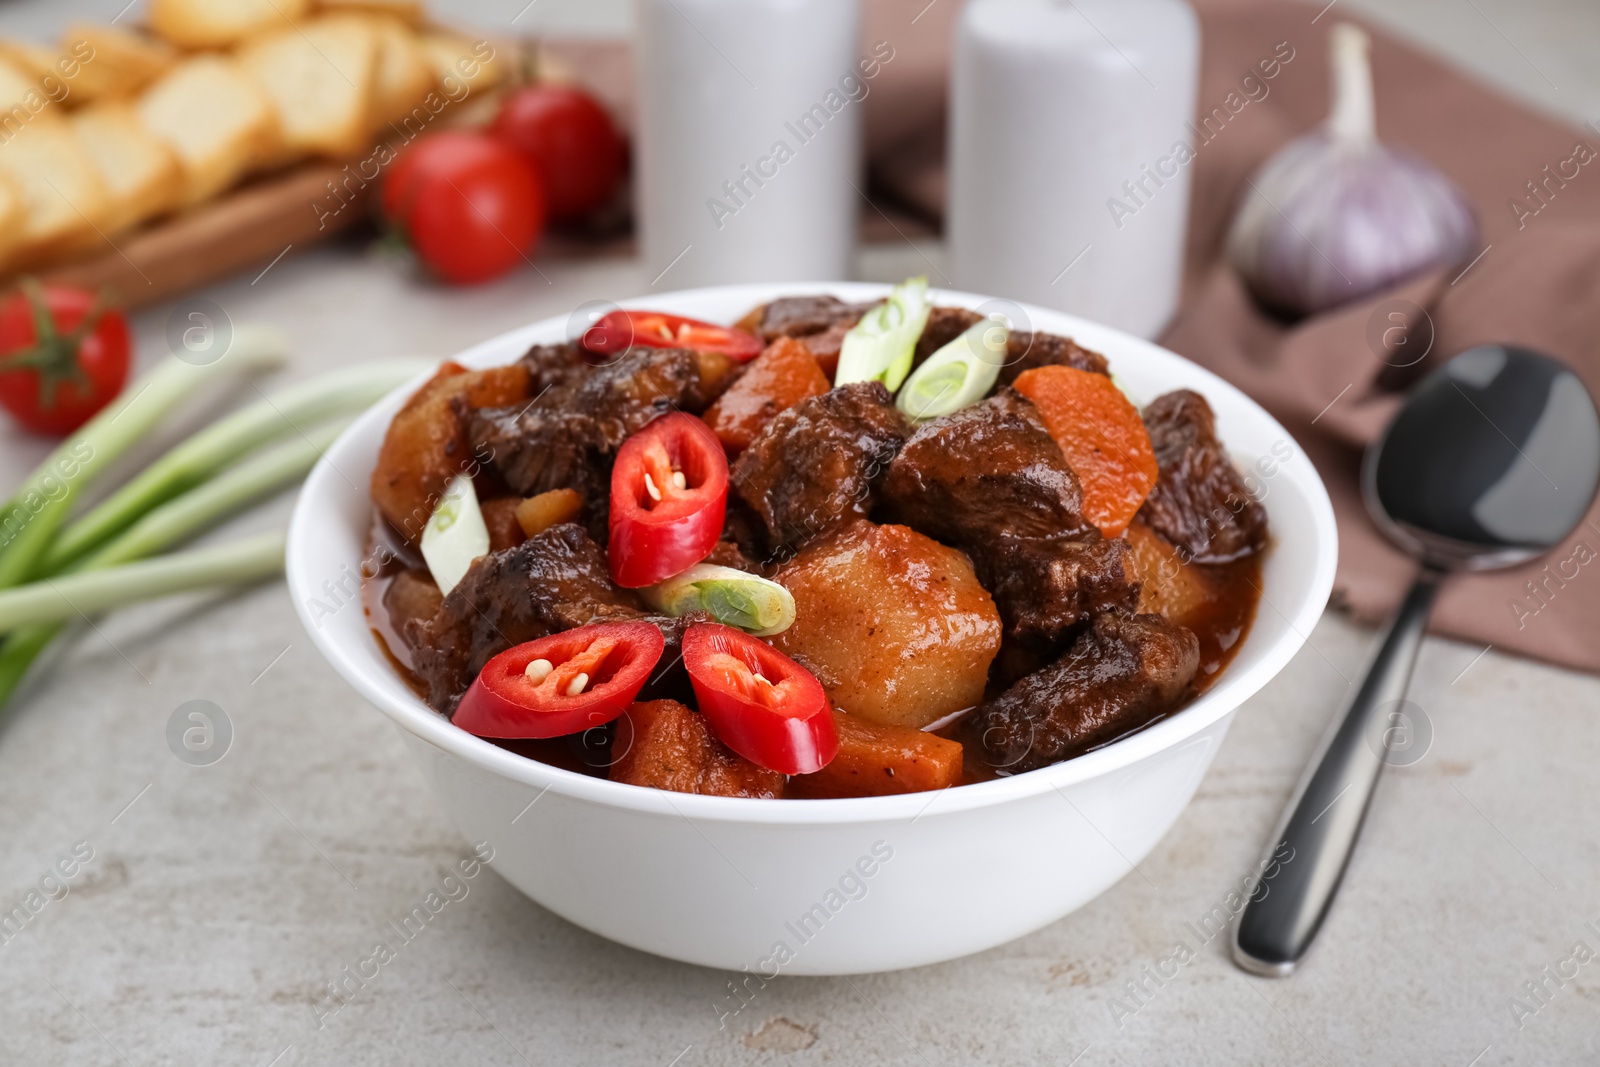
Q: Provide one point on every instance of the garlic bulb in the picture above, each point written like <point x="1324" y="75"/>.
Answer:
<point x="1335" y="216"/>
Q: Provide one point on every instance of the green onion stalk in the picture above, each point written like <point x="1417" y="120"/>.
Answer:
<point x="38" y="509"/>
<point x="880" y="347"/>
<point x="36" y="613"/>
<point x="177" y="497"/>
<point x="198" y="458"/>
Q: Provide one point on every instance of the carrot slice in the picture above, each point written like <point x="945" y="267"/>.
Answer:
<point x="877" y="760"/>
<point x="1103" y="437"/>
<point x="776" y="380"/>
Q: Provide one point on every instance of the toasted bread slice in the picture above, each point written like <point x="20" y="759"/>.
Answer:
<point x="113" y="63"/>
<point x="215" y="118"/>
<point x="141" y="174"/>
<point x="64" y="200"/>
<point x="30" y="57"/>
<point x="457" y="61"/>
<point x="321" y="79"/>
<point x="22" y="101"/>
<point x="405" y="71"/>
<point x="220" y="23"/>
<point x="13" y="214"/>
<point x="408" y="11"/>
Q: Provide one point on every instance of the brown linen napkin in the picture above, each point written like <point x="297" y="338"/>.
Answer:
<point x="1330" y="385"/>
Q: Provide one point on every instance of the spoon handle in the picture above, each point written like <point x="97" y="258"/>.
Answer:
<point x="1308" y="854"/>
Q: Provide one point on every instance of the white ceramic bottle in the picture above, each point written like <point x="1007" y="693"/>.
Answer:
<point x="1067" y="185"/>
<point x="748" y="138"/>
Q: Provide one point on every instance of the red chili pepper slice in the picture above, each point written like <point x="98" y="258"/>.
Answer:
<point x="669" y="494"/>
<point x="761" y="703"/>
<point x="618" y="331"/>
<point x="562" y="684"/>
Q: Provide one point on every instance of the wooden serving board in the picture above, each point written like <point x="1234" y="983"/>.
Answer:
<point x="248" y="227"/>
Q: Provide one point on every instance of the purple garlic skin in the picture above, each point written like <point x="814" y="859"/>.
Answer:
<point x="1325" y="222"/>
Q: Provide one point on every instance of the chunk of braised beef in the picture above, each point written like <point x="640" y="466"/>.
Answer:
<point x="555" y="581"/>
<point x="944" y="325"/>
<point x="1025" y="351"/>
<point x="1121" y="673"/>
<point x="549" y="366"/>
<point x="1200" y="502"/>
<point x="542" y="446"/>
<point x="814" y="466"/>
<point x="1046" y="588"/>
<point x="669" y="679"/>
<point x="566" y="437"/>
<point x="729" y="554"/>
<point x="802" y="316"/>
<point x="987" y="471"/>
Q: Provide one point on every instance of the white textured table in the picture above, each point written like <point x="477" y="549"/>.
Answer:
<point x="220" y="901"/>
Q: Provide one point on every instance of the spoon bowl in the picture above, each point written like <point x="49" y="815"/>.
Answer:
<point x="1492" y="461"/>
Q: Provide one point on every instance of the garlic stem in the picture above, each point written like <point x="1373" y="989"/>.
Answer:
<point x="1351" y="119"/>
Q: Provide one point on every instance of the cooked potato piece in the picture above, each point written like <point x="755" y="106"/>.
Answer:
<point x="894" y="624"/>
<point x="663" y="745"/>
<point x="426" y="445"/>
<point x="1168" y="585"/>
<point x="543" y="510"/>
<point x="875" y="760"/>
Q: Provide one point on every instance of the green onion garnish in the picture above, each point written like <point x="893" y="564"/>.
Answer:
<point x="734" y="598"/>
<point x="960" y="373"/>
<point x="879" y="347"/>
<point x="455" y="535"/>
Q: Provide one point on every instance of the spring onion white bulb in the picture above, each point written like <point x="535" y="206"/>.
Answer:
<point x="455" y="535"/>
<point x="1335" y="216"/>
<point x="958" y="374"/>
<point x="733" y="597"/>
<point x="879" y="347"/>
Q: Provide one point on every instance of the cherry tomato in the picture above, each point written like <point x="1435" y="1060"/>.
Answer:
<point x="571" y="140"/>
<point x="470" y="205"/>
<point x="617" y="331"/>
<point x="761" y="703"/>
<point x="562" y="684"/>
<point x="63" y="356"/>
<point x="669" y="496"/>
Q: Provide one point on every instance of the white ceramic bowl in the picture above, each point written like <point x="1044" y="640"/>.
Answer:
<point x="825" y="886"/>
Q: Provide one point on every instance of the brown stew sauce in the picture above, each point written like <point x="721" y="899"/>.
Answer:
<point x="1221" y="624"/>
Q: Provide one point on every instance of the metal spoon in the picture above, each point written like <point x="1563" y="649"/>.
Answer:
<point x="1492" y="461"/>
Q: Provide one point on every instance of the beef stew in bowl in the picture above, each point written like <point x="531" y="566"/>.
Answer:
<point x="901" y="548"/>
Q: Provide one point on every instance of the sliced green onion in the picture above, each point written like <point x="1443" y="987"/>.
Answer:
<point x="38" y="508"/>
<point x="455" y="534"/>
<point x="91" y="592"/>
<point x="734" y="598"/>
<point x="880" y="346"/>
<point x="960" y="373"/>
<point x="208" y="451"/>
